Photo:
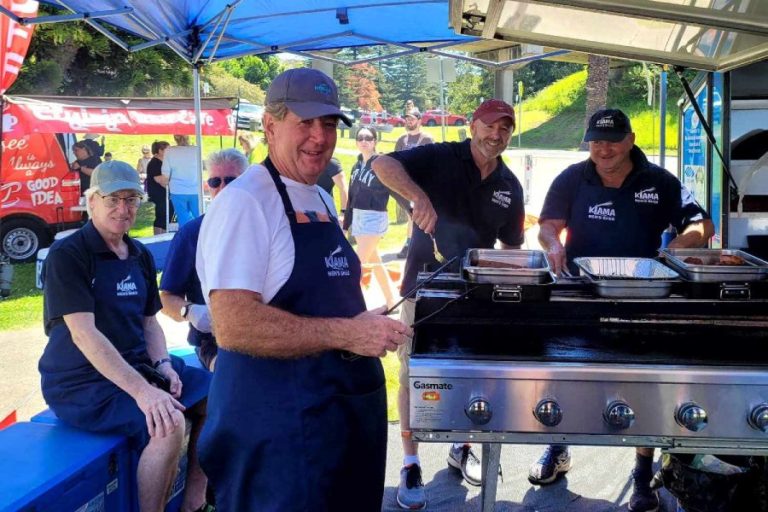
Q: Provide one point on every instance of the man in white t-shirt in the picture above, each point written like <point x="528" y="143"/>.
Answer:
<point x="297" y="409"/>
<point x="183" y="178"/>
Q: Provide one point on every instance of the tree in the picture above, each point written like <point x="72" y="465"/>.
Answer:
<point x="361" y="83"/>
<point x="539" y="74"/>
<point x="74" y="59"/>
<point x="410" y="76"/>
<point x="597" y="87"/>
<point x="472" y="83"/>
<point x="256" y="69"/>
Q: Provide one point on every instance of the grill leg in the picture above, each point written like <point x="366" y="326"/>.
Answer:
<point x="490" y="470"/>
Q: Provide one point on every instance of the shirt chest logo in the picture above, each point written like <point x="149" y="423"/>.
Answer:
<point x="647" y="196"/>
<point x="502" y="198"/>
<point x="602" y="211"/>
<point x="336" y="263"/>
<point x="126" y="287"/>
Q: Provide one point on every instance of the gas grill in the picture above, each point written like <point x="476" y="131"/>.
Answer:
<point x="545" y="362"/>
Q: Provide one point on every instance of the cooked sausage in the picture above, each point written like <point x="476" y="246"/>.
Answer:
<point x="693" y="260"/>
<point x="497" y="264"/>
<point x="731" y="260"/>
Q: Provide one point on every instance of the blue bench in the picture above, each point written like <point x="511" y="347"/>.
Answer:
<point x="52" y="468"/>
<point x="41" y="480"/>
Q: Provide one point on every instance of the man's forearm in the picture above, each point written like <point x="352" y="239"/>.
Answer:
<point x="548" y="236"/>
<point x="102" y="354"/>
<point x="155" y="338"/>
<point x="246" y="325"/>
<point x="392" y="174"/>
<point x="172" y="305"/>
<point x="693" y="236"/>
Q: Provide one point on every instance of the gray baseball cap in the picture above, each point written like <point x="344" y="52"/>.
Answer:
<point x="308" y="93"/>
<point x="109" y="177"/>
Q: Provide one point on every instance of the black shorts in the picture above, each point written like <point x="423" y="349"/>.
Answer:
<point x="160" y="214"/>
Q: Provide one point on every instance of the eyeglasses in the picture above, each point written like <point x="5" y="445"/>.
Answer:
<point x="114" y="201"/>
<point x="366" y="138"/>
<point x="216" y="182"/>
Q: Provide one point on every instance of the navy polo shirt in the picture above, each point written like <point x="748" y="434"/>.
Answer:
<point x="180" y="275"/>
<point x="69" y="276"/>
<point x="470" y="213"/>
<point x="621" y="222"/>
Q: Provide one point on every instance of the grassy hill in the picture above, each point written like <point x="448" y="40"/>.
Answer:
<point x="554" y="118"/>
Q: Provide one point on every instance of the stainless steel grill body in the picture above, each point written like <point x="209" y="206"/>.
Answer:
<point x="687" y="375"/>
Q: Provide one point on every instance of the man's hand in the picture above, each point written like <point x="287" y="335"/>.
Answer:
<point x="377" y="334"/>
<point x="558" y="261"/>
<point x="159" y="408"/>
<point x="200" y="317"/>
<point x="167" y="370"/>
<point x="424" y="214"/>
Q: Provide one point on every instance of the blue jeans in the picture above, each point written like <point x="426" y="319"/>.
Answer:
<point x="186" y="207"/>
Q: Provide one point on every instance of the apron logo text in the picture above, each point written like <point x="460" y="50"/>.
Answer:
<point x="602" y="211"/>
<point x="337" y="266"/>
<point x="127" y="287"/>
<point x="647" y="196"/>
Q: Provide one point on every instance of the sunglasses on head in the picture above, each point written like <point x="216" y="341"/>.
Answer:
<point x="366" y="138"/>
<point x="216" y="182"/>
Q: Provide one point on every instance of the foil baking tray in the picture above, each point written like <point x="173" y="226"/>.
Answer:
<point x="625" y="278"/>
<point x="753" y="269"/>
<point x="506" y="266"/>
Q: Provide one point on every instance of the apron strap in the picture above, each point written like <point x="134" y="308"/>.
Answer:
<point x="289" y="211"/>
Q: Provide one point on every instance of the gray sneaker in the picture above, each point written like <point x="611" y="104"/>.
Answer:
<point x="554" y="461"/>
<point x="410" y="493"/>
<point x="465" y="460"/>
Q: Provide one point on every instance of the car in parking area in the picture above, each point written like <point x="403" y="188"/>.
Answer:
<point x="379" y="118"/>
<point x="249" y="116"/>
<point x="435" y="117"/>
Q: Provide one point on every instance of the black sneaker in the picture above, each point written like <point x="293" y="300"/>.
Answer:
<point x="555" y="461"/>
<point x="410" y="492"/>
<point x="643" y="498"/>
<point x="403" y="252"/>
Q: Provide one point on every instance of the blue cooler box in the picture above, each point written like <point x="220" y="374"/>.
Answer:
<point x="56" y="468"/>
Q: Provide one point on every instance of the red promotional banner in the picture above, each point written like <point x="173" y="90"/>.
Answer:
<point x="15" y="40"/>
<point x="43" y="117"/>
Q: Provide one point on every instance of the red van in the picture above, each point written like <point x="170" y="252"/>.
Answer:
<point x="39" y="194"/>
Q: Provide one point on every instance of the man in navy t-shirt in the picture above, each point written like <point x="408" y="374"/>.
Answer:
<point x="463" y="196"/>
<point x="616" y="203"/>
<point x="180" y="290"/>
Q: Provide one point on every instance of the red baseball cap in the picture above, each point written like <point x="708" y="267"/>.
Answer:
<point x="492" y="110"/>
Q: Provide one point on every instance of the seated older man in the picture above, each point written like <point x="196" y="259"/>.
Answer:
<point x="105" y="367"/>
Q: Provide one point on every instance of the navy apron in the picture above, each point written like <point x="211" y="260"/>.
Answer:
<point x="83" y="397"/>
<point x="607" y="222"/>
<point x="301" y="434"/>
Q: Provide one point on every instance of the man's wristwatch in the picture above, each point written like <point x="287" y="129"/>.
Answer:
<point x="184" y="311"/>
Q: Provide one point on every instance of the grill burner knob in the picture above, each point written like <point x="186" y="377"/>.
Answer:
<point x="548" y="412"/>
<point x="479" y="411"/>
<point x="619" y="415"/>
<point x="692" y="417"/>
<point x="758" y="418"/>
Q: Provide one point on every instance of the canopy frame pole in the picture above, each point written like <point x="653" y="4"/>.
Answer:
<point x="102" y="30"/>
<point x="59" y="18"/>
<point x="168" y="40"/>
<point x="199" y="133"/>
<point x="227" y="18"/>
<point x="216" y="21"/>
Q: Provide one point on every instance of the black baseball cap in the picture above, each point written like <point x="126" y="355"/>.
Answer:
<point x="608" y="124"/>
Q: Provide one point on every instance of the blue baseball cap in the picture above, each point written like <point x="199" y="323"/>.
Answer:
<point x="308" y="93"/>
<point x="114" y="175"/>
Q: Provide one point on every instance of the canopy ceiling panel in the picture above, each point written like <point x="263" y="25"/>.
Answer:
<point x="218" y="29"/>
<point x="714" y="35"/>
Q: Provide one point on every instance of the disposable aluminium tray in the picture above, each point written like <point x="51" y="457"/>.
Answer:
<point x="525" y="267"/>
<point x="628" y="278"/>
<point x="754" y="269"/>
